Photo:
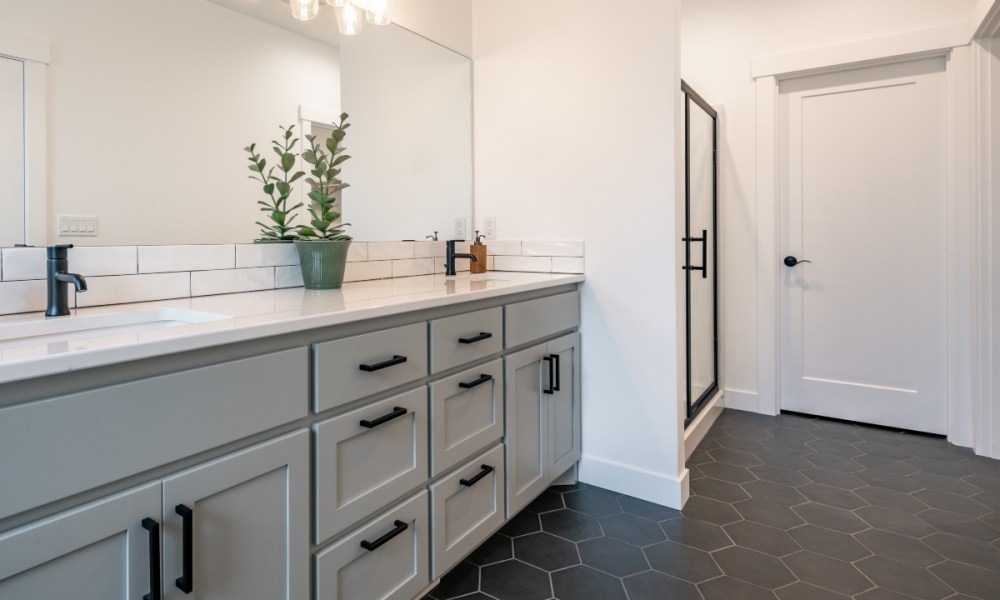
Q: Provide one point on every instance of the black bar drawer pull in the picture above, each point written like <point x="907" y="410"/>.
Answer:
<point x="372" y="546"/>
<point x="486" y="470"/>
<point x="186" y="582"/>
<point x="552" y="377"/>
<point x="485" y="335"/>
<point x="482" y="379"/>
<point x="704" y="253"/>
<point x="395" y="360"/>
<point x="558" y="370"/>
<point x="154" y="559"/>
<point x="395" y="414"/>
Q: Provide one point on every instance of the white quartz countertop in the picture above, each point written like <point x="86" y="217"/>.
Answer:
<point x="255" y="315"/>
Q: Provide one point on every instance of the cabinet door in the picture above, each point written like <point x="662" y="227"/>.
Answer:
<point x="99" y="551"/>
<point x="564" y="422"/>
<point x="466" y="415"/>
<point x="249" y="519"/>
<point x="526" y="428"/>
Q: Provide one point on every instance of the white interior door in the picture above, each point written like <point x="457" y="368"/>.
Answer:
<point x="11" y="152"/>
<point x="863" y="196"/>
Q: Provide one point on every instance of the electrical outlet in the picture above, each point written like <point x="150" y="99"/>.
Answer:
<point x="490" y="228"/>
<point x="77" y="226"/>
<point x="460" y="229"/>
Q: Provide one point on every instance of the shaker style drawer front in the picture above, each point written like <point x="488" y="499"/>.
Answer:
<point x="356" y="367"/>
<point x="466" y="414"/>
<point x="367" y="458"/>
<point x="69" y="444"/>
<point x="386" y="558"/>
<point x="465" y="338"/>
<point x="534" y="319"/>
<point x="467" y="506"/>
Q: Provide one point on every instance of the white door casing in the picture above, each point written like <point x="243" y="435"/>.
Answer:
<point x="863" y="188"/>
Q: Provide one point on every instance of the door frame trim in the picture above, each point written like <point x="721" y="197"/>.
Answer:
<point x="964" y="240"/>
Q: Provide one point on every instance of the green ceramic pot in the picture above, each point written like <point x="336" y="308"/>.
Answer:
<point x="322" y="263"/>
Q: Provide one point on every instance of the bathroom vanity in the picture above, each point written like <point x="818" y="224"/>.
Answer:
<point x="333" y="445"/>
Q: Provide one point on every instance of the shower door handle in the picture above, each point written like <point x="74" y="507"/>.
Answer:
<point x="704" y="253"/>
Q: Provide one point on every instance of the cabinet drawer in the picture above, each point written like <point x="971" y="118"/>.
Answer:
<point x="69" y="444"/>
<point x="397" y="569"/>
<point x="466" y="414"/>
<point x="361" y="468"/>
<point x="462" y="338"/>
<point x="467" y="507"/>
<point x="534" y="319"/>
<point x="363" y="365"/>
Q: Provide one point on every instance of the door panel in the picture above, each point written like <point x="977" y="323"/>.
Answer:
<point x="864" y="198"/>
<point x="525" y="422"/>
<point x="564" y="415"/>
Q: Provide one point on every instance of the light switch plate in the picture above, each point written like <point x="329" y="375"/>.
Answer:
<point x="77" y="226"/>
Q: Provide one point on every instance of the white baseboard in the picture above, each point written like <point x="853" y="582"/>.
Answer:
<point x="696" y="431"/>
<point x="741" y="400"/>
<point x="640" y="483"/>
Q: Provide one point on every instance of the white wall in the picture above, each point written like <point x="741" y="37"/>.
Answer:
<point x="993" y="212"/>
<point x="719" y="38"/>
<point x="577" y="136"/>
<point x="11" y="152"/>
<point x="447" y="22"/>
<point x="151" y="103"/>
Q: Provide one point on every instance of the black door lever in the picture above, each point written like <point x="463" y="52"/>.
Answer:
<point x="791" y="261"/>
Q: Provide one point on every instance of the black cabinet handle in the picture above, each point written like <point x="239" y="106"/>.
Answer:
<point x="552" y="377"/>
<point x="558" y="369"/>
<point x="472" y="340"/>
<point x="486" y="470"/>
<point x="482" y="379"/>
<point x="395" y="414"/>
<point x="154" y="559"/>
<point x="704" y="253"/>
<point x="395" y="360"/>
<point x="186" y="582"/>
<point x="372" y="546"/>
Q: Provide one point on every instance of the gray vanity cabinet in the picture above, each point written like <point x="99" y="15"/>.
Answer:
<point x="98" y="551"/>
<point x="543" y="418"/>
<point x="466" y="414"/>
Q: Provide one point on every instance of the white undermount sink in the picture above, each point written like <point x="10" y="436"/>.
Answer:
<point x="65" y="329"/>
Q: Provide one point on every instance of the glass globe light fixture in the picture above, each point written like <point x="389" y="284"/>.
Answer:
<point x="305" y="10"/>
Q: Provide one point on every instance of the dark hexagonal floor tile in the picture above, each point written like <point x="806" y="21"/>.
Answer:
<point x="647" y="510"/>
<point x="653" y="585"/>
<point x="461" y="580"/>
<point x="838" y="430"/>
<point x="884" y="594"/>
<point x="962" y="525"/>
<point x="497" y="548"/>
<point x="902" y="578"/>
<point x="831" y="477"/>
<point x="837" y="463"/>
<point x="546" y="551"/>
<point x="593" y="501"/>
<point x="829" y="543"/>
<point x="944" y="467"/>
<point x="882" y="463"/>
<point x="979" y="554"/>
<point x="767" y="513"/>
<point x="515" y="580"/>
<point x="944" y="483"/>
<point x="753" y="567"/>
<point x="784" y="459"/>
<point x="833" y="448"/>
<point x="898" y="547"/>
<point x="788" y="446"/>
<point x="571" y="525"/>
<point x="523" y="523"/>
<point x="682" y="562"/>
<point x="584" y="582"/>
<point x="699" y="457"/>
<point x="547" y="502"/>
<point x="974" y="581"/>
<point x="828" y="573"/>
<point x="762" y="538"/>
<point x="939" y="450"/>
<point x="741" y="444"/>
<point x="837" y="519"/>
<point x="774" y="492"/>
<point x="717" y="489"/>
<point x="794" y="421"/>
<point x="697" y="534"/>
<point x="887" y="519"/>
<point x="786" y="433"/>
<point x="779" y="475"/>
<point x="886" y="450"/>
<point x="745" y="432"/>
<point x="735" y="457"/>
<point x="951" y="502"/>
<point x="727" y="472"/>
<point x="886" y="498"/>
<point x="614" y="557"/>
<point x="832" y="496"/>
<point x="804" y="591"/>
<point x="890" y="481"/>
<point x="728" y="588"/>
<point x="632" y="529"/>
<point x="712" y="511"/>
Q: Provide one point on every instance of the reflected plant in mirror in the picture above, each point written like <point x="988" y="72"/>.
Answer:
<point x="277" y="188"/>
<point x="326" y="186"/>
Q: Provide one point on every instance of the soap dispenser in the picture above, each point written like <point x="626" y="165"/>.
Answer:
<point x="478" y="249"/>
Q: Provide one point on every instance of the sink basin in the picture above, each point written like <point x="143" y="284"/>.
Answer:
<point x="65" y="329"/>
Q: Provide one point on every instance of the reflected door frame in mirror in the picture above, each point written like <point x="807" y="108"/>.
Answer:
<point x="36" y="56"/>
<point x="311" y="117"/>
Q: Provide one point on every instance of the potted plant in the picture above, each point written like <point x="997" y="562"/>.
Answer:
<point x="323" y="245"/>
<point x="278" y="189"/>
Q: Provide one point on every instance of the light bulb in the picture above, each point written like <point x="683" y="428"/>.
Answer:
<point x="379" y="12"/>
<point x="305" y="10"/>
<point x="349" y="20"/>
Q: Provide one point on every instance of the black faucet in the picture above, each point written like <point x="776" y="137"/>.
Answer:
<point x="58" y="278"/>
<point x="451" y="255"/>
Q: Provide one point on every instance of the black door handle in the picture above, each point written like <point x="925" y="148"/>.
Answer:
<point x="155" y="582"/>
<point x="486" y="470"/>
<point x="485" y="335"/>
<point x="482" y="379"/>
<point x="395" y="360"/>
<point x="552" y="376"/>
<point x="558" y="370"/>
<point x="400" y="527"/>
<point x="791" y="261"/>
<point x="395" y="414"/>
<point x="186" y="581"/>
<point x="704" y="253"/>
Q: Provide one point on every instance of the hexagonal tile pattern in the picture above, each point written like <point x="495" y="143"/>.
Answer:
<point x="782" y="508"/>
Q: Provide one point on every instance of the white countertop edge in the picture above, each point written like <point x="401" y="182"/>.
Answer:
<point x="196" y="337"/>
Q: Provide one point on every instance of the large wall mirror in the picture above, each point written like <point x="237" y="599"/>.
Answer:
<point x="150" y="104"/>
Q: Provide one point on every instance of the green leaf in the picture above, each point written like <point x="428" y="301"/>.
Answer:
<point x="320" y="225"/>
<point x="287" y="161"/>
<point x="298" y="175"/>
<point x="283" y="188"/>
<point x="340" y="159"/>
<point x="269" y="189"/>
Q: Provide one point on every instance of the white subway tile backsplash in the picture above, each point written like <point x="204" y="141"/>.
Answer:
<point x="20" y="264"/>
<point x="542" y="248"/>
<point x="503" y="247"/>
<point x="231" y="281"/>
<point x="266" y="254"/>
<point x="428" y="250"/>
<point x="122" y="289"/>
<point x="23" y="296"/>
<point x="390" y="250"/>
<point x="563" y="264"/>
<point x="100" y="261"/>
<point x="365" y="271"/>
<point x="171" y="259"/>
<point x="412" y="267"/>
<point x="357" y="252"/>
<point x="524" y="264"/>
<point x="287" y="277"/>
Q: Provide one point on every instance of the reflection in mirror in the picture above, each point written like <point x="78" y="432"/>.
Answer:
<point x="701" y="247"/>
<point x="12" y="195"/>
